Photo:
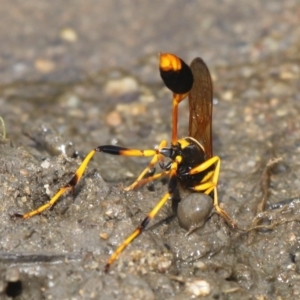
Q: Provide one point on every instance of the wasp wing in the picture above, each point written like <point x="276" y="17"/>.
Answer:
<point x="200" y="103"/>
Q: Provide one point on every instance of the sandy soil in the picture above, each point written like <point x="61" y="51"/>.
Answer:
<point x="76" y="75"/>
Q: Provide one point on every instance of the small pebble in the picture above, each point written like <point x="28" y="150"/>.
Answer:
<point x="227" y="96"/>
<point x="45" y="164"/>
<point x="103" y="235"/>
<point x="69" y="35"/>
<point x="113" y="119"/>
<point x="198" y="288"/>
<point x="44" y="65"/>
<point x="12" y="275"/>
<point x="121" y="86"/>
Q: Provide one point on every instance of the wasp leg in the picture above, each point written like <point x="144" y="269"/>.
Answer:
<point x="151" y="178"/>
<point x="209" y="183"/>
<point x="156" y="158"/>
<point x="68" y="187"/>
<point x="114" y="150"/>
<point x="171" y="188"/>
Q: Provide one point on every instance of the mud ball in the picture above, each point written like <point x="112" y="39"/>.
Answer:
<point x="194" y="210"/>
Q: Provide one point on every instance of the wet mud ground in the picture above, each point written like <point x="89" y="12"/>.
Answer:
<point x="64" y="93"/>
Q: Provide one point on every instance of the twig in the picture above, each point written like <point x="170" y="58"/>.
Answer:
<point x="264" y="184"/>
<point x="4" y="129"/>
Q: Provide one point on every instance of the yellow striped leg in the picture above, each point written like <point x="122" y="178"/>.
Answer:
<point x="209" y="183"/>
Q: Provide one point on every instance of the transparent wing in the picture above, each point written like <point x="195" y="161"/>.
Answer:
<point x="200" y="102"/>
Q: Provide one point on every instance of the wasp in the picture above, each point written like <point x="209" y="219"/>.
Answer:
<point x="191" y="164"/>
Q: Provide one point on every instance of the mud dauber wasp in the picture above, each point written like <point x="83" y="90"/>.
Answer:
<point x="191" y="162"/>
